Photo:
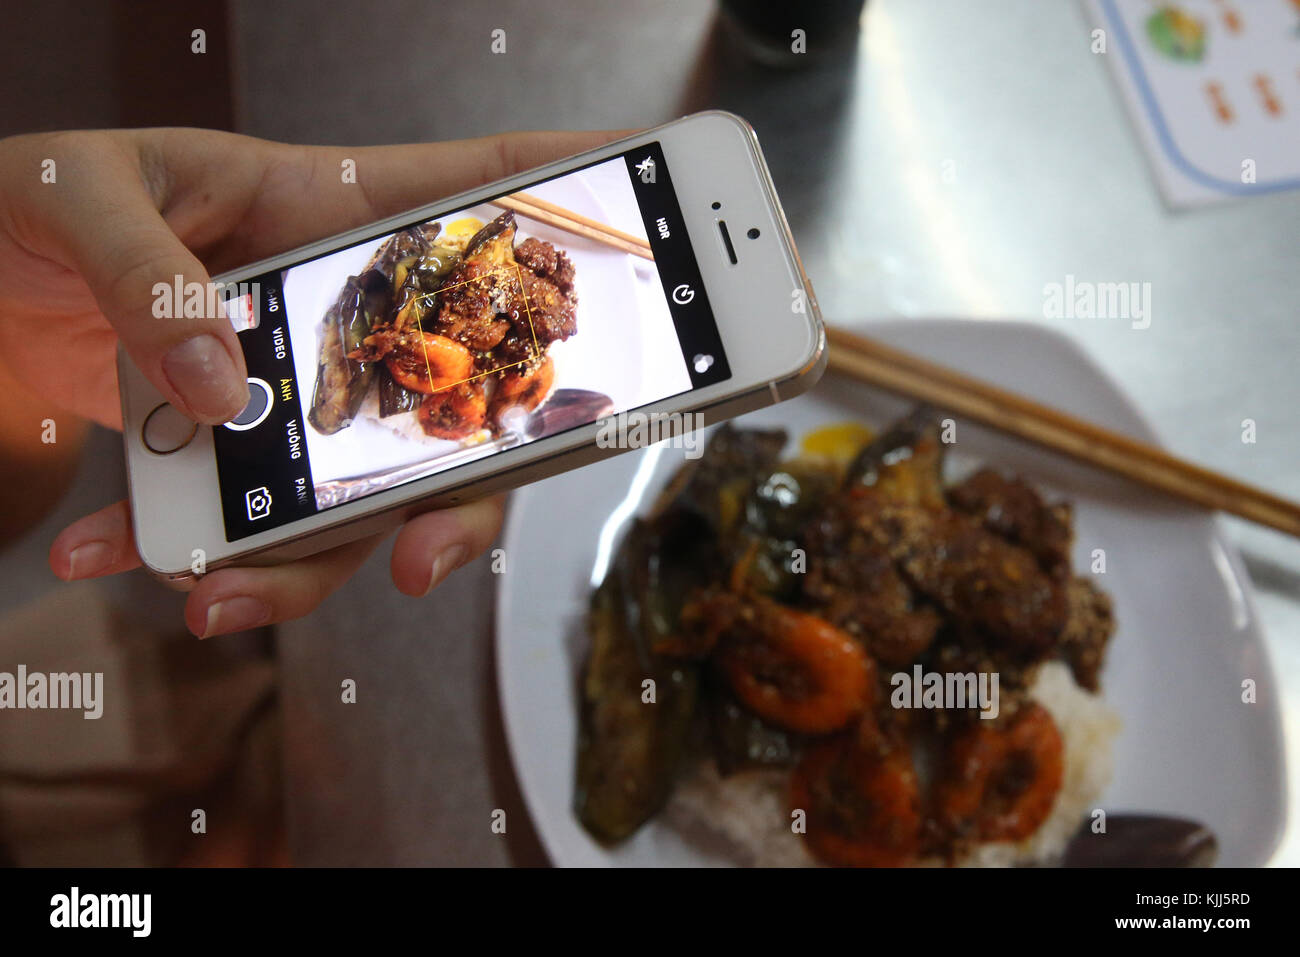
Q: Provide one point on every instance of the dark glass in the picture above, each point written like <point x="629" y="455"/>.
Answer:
<point x="766" y="29"/>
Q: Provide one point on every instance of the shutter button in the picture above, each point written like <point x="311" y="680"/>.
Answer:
<point x="258" y="408"/>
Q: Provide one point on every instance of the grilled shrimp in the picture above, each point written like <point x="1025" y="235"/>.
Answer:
<point x="793" y="669"/>
<point x="454" y="413"/>
<point x="424" y="362"/>
<point x="1000" y="782"/>
<point x="862" y="802"/>
<point x="524" y="386"/>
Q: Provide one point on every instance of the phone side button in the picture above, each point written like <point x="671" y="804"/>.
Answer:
<point x="166" y="431"/>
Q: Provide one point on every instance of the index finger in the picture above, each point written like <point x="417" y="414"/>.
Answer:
<point x="294" y="195"/>
<point x="401" y="177"/>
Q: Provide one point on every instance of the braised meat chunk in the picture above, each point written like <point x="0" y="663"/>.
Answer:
<point x="478" y="305"/>
<point x="852" y="582"/>
<point x="546" y="262"/>
<point x="1011" y="508"/>
<point x="1088" y="628"/>
<point x="975" y="576"/>
<point x="529" y="307"/>
<point x="549" y="310"/>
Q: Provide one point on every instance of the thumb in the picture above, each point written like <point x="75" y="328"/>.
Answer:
<point x="103" y="221"/>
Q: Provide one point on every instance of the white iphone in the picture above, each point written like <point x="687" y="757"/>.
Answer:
<point x="481" y="342"/>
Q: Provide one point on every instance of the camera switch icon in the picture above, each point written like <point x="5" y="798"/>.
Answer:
<point x="258" y="503"/>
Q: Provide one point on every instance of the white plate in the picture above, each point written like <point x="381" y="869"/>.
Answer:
<point x="1187" y="636"/>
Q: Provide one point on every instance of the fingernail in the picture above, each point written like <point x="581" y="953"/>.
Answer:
<point x="445" y="563"/>
<point x="235" y="614"/>
<point x="89" y="559"/>
<point x="203" y="374"/>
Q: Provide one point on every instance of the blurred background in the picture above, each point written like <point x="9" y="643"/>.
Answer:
<point x="947" y="160"/>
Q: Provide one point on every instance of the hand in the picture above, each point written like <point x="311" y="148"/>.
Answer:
<point x="79" y="257"/>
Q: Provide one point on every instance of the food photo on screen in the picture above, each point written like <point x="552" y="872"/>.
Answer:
<point x="437" y="344"/>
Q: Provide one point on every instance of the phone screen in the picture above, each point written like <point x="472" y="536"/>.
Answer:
<point x="461" y="336"/>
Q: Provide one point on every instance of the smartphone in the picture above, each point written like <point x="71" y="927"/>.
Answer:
<point x="479" y="343"/>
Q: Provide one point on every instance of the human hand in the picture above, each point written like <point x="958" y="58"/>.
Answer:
<point x="79" y="258"/>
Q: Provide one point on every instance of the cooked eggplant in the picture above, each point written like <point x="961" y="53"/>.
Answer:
<point x="628" y="750"/>
<point x="419" y="278"/>
<point x="495" y="242"/>
<point x="415" y="281"/>
<point x="787" y="496"/>
<point x="376" y="300"/>
<point x="741" y="739"/>
<point x="783" y="500"/>
<point x="406" y="272"/>
<point x="341" y="383"/>
<point x="678" y="554"/>
<point x="905" y="463"/>
<point x="629" y="747"/>
<point x="716" y="486"/>
<point x="719" y="494"/>
<point x="363" y="303"/>
<point x="394" y="399"/>
<point x="431" y="268"/>
<point x="408" y="244"/>
<point x="423" y="269"/>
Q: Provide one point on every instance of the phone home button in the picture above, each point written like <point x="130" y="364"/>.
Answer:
<point x="166" y="431"/>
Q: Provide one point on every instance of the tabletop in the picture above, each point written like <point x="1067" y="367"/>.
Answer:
<point x="962" y="157"/>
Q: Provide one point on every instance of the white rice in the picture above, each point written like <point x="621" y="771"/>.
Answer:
<point x="745" y="818"/>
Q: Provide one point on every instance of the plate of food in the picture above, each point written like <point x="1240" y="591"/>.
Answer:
<point x="854" y="632"/>
<point x="431" y="343"/>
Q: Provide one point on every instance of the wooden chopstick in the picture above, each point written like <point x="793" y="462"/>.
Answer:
<point x="880" y="365"/>
<point x="550" y="207"/>
<point x="569" y="221"/>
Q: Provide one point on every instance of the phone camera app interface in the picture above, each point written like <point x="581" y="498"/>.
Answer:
<point x="461" y="336"/>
